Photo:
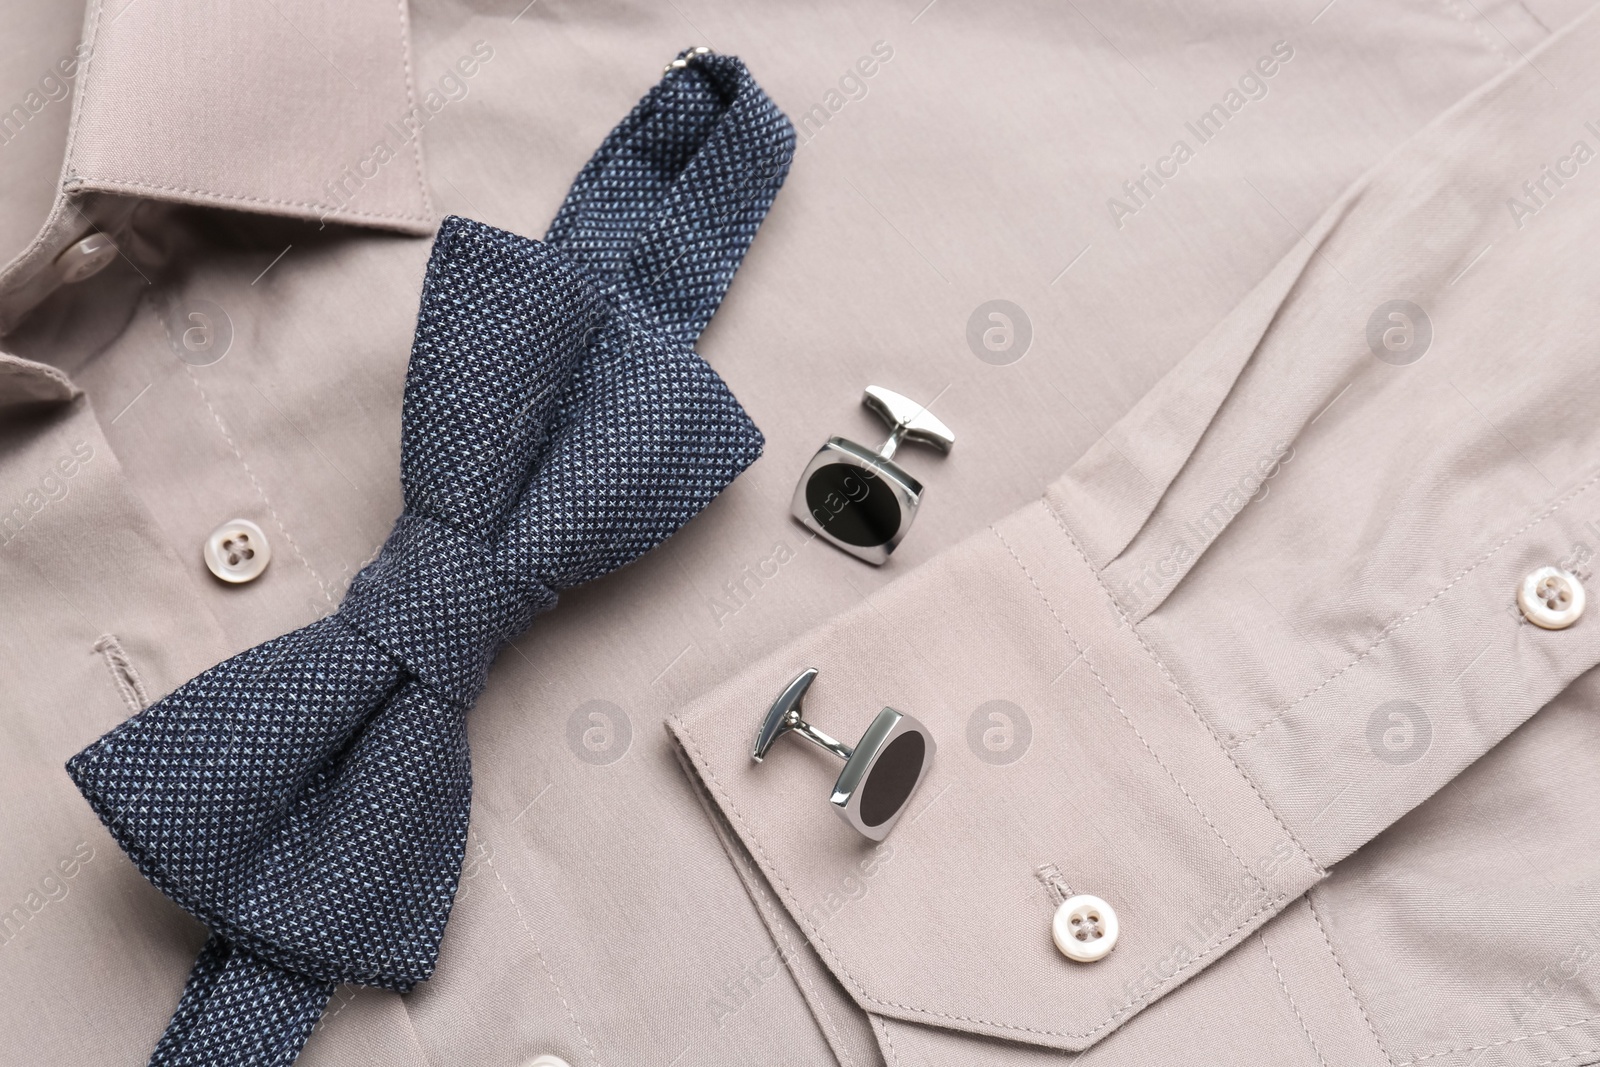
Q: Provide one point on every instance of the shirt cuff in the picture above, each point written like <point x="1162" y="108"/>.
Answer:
<point x="1110" y="780"/>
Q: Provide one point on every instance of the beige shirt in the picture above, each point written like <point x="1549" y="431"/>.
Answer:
<point x="1211" y="610"/>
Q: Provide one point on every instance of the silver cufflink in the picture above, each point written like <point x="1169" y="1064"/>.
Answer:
<point x="880" y="773"/>
<point x="861" y="500"/>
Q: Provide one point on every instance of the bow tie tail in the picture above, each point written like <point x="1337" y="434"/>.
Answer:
<point x="239" y="1010"/>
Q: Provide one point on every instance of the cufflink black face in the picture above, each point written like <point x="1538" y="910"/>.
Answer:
<point x="861" y="500"/>
<point x="880" y="772"/>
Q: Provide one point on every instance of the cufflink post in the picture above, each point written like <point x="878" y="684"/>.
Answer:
<point x="880" y="772"/>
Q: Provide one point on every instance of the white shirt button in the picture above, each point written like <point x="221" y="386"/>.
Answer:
<point x="547" y="1060"/>
<point x="85" y="257"/>
<point x="1085" y="928"/>
<point x="1551" y="598"/>
<point x="237" y="551"/>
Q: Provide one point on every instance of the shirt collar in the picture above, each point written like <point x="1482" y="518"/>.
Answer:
<point x="289" y="108"/>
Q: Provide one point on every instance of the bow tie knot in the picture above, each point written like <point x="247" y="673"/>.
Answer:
<point x="442" y="602"/>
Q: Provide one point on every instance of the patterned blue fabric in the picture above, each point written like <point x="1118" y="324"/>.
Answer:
<point x="308" y="799"/>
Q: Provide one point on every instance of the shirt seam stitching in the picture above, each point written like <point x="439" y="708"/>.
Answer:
<point x="81" y="99"/>
<point x="1333" y="954"/>
<point x="883" y="1028"/>
<point x="594" y="1057"/>
<point x="1283" y="985"/>
<point x="73" y="177"/>
<point x="261" y="491"/>
<point x="1498" y="1044"/>
<point x="751" y="877"/>
<point x="34" y="252"/>
<point x="1394" y="627"/>
<point x="829" y="1025"/>
<point x="1179" y="690"/>
<point x="100" y="184"/>
<point x="411" y="98"/>
<point x="1106" y="689"/>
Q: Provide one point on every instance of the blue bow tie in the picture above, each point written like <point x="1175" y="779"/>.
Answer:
<point x="307" y="799"/>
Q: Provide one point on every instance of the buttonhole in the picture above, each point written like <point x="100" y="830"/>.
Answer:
<point x="126" y="678"/>
<point x="1055" y="886"/>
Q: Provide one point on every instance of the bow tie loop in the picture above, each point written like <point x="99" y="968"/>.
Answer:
<point x="665" y="210"/>
<point x="503" y="324"/>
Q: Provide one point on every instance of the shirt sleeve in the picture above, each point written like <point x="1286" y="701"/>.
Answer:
<point x="1270" y="612"/>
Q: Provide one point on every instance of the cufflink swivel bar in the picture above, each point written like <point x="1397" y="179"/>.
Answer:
<point x="880" y="772"/>
<point x="908" y="421"/>
<point x="784" y="716"/>
<point x="861" y="500"/>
